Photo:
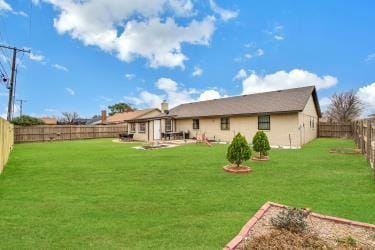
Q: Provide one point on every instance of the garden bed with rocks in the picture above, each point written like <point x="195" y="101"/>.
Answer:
<point x="320" y="232"/>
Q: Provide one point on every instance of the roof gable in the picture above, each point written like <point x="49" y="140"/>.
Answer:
<point x="126" y="116"/>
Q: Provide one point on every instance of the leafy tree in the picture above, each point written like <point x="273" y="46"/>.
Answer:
<point x="120" y="107"/>
<point x="239" y="150"/>
<point x="26" y="120"/>
<point x="344" y="107"/>
<point x="261" y="143"/>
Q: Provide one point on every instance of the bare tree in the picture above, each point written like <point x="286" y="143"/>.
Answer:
<point x="69" y="117"/>
<point x="344" y="107"/>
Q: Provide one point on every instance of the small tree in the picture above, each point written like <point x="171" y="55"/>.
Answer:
<point x="239" y="150"/>
<point x="261" y="143"/>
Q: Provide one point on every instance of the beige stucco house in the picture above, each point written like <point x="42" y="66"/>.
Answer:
<point x="289" y="117"/>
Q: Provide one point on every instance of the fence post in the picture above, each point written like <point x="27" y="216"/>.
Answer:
<point x="368" y="140"/>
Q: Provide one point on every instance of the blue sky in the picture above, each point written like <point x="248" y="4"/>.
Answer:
<point x="88" y="55"/>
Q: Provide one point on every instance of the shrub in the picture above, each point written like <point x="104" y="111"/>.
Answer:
<point x="261" y="143"/>
<point x="292" y="219"/>
<point x="239" y="150"/>
<point x="26" y="120"/>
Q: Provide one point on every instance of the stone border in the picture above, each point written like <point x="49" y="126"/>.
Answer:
<point x="259" y="214"/>
<point x="231" y="169"/>
<point x="256" y="158"/>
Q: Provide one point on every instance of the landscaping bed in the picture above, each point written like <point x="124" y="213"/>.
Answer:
<point x="321" y="232"/>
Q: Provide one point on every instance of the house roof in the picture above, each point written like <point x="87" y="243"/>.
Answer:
<point x="49" y="120"/>
<point x="126" y="116"/>
<point x="280" y="101"/>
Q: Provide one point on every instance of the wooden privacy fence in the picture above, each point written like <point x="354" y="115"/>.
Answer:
<point x="6" y="142"/>
<point x="66" y="132"/>
<point x="337" y="130"/>
<point x="364" y="137"/>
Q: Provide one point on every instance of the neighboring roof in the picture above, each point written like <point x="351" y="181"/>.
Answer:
<point x="94" y="121"/>
<point x="49" y="120"/>
<point x="281" y="101"/>
<point x="126" y="116"/>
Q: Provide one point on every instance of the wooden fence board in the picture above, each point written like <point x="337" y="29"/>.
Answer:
<point x="364" y="137"/>
<point x="6" y="142"/>
<point x="337" y="130"/>
<point x="66" y="132"/>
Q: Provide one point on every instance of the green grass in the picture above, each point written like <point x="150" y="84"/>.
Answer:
<point x="99" y="194"/>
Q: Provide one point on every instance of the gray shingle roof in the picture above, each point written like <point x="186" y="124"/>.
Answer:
<point x="288" y="100"/>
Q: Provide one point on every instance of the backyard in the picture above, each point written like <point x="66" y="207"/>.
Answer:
<point x="100" y="194"/>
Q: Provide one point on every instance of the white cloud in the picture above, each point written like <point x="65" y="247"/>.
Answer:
<point x="277" y="32"/>
<point x="241" y="74"/>
<point x="209" y="95"/>
<point x="370" y="57"/>
<point x="129" y="76"/>
<point x="60" y="67"/>
<point x="70" y="91"/>
<point x="223" y="13"/>
<point x="197" y="71"/>
<point x="160" y="42"/>
<point x="367" y="95"/>
<point x="255" y="83"/>
<point x="248" y="56"/>
<point x="173" y="92"/>
<point x="5" y="6"/>
<point x="324" y="103"/>
<point x="259" y="52"/>
<point x="35" y="2"/>
<point x="131" y="29"/>
<point x="36" y="57"/>
<point x="278" y="37"/>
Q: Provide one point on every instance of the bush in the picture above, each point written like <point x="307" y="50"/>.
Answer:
<point x="239" y="150"/>
<point x="26" y="120"/>
<point x="292" y="219"/>
<point x="261" y="143"/>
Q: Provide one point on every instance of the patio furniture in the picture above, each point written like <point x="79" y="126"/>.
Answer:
<point x="126" y="137"/>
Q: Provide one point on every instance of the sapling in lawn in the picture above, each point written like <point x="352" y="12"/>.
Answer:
<point x="261" y="144"/>
<point x="239" y="150"/>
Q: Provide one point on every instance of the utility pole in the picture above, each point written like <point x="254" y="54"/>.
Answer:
<point x="12" y="76"/>
<point x="21" y="101"/>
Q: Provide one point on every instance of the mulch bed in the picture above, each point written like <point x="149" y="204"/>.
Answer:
<point x="323" y="232"/>
<point x="237" y="170"/>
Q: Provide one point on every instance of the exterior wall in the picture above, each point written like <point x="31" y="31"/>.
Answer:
<point x="308" y="122"/>
<point x="148" y="134"/>
<point x="284" y="128"/>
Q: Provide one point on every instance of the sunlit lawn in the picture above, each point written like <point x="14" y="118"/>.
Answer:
<point x="100" y="194"/>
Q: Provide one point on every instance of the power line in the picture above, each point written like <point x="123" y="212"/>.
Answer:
<point x="12" y="77"/>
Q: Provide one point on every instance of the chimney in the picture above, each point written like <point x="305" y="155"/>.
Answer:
<point x="104" y="116"/>
<point x="164" y="106"/>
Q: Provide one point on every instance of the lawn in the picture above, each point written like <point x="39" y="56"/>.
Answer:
<point x="99" y="194"/>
